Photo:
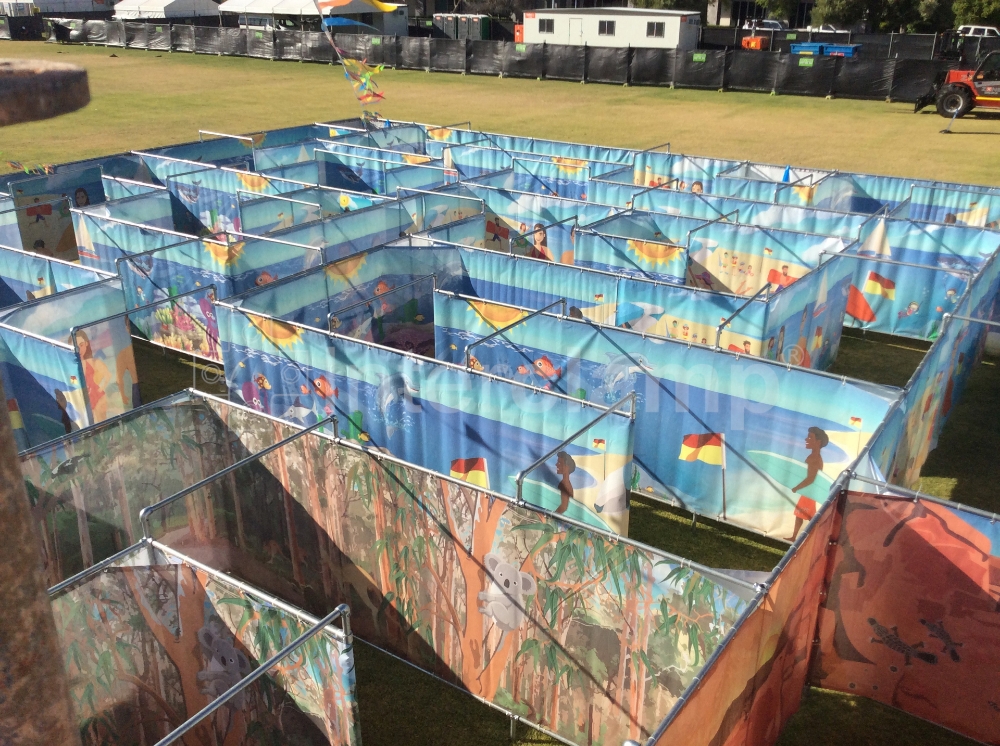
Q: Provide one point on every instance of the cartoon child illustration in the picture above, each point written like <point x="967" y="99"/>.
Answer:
<point x="769" y="354"/>
<point x="697" y="188"/>
<point x="674" y="332"/>
<point x="684" y="331"/>
<point x="911" y="308"/>
<point x="565" y="465"/>
<point x="540" y="243"/>
<point x="81" y="198"/>
<point x="746" y="346"/>
<point x="781" y="345"/>
<point x="805" y="508"/>
<point x="950" y="219"/>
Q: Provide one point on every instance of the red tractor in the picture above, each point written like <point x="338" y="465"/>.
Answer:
<point x="960" y="91"/>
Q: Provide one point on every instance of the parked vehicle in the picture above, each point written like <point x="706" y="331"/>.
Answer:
<point x="765" y="25"/>
<point x="978" y="31"/>
<point x="960" y="91"/>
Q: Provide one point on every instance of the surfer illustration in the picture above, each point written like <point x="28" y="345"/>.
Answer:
<point x="805" y="508"/>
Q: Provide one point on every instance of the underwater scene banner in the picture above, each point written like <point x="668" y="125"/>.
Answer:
<point x="148" y="647"/>
<point x="107" y="473"/>
<point x="652" y="259"/>
<point x="25" y="276"/>
<point x="433" y="415"/>
<point x="729" y="437"/>
<point x="747" y="694"/>
<point x="115" y="188"/>
<point x="910" y="616"/>
<point x="184" y="322"/>
<point x="541" y="617"/>
<point x="103" y="240"/>
<point x="954" y="206"/>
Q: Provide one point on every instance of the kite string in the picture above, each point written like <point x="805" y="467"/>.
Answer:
<point x="329" y="37"/>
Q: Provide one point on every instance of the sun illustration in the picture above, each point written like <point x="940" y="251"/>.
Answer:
<point x="276" y="332"/>
<point x="253" y="182"/>
<point x="224" y="254"/>
<point x="654" y="253"/>
<point x="346" y="269"/>
<point x="256" y="140"/>
<point x="496" y="315"/>
<point x="439" y="133"/>
<point x="569" y="165"/>
<point x="345" y="201"/>
<point x="416" y="158"/>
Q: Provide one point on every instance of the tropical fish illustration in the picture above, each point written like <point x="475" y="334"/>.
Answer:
<point x="395" y="388"/>
<point x="938" y="631"/>
<point x="382" y="287"/>
<point x="522" y="370"/>
<point x="325" y="389"/>
<point x="418" y="318"/>
<point x="304" y="389"/>
<point x="334" y="323"/>
<point x="621" y="368"/>
<point x="474" y="363"/>
<point x="364" y="437"/>
<point x="546" y="368"/>
<point x="261" y="380"/>
<point x="264" y="278"/>
<point x="297" y="412"/>
<point x="890" y="638"/>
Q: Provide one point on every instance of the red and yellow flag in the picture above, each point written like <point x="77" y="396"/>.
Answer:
<point x="705" y="447"/>
<point x="471" y="470"/>
<point x="879" y="285"/>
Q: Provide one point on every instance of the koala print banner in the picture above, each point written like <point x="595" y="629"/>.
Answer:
<point x="146" y="648"/>
<point x="590" y="637"/>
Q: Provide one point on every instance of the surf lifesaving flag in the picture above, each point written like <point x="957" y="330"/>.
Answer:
<point x="471" y="470"/>
<point x="705" y="447"/>
<point x="879" y="285"/>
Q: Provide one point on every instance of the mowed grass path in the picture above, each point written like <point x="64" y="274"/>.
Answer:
<point x="144" y="99"/>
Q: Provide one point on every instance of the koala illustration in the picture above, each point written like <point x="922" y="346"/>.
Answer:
<point x="226" y="665"/>
<point x="504" y="598"/>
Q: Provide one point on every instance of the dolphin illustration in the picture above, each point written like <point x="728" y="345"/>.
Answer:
<point x="297" y="412"/>
<point x="621" y="368"/>
<point x="394" y="388"/>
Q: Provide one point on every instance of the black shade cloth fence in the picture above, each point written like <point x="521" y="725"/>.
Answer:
<point x="777" y="72"/>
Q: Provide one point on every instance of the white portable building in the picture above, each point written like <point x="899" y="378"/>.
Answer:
<point x="614" y="27"/>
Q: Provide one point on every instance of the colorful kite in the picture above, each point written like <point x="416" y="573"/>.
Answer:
<point x="331" y="4"/>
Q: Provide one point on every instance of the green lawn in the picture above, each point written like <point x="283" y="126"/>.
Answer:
<point x="143" y="99"/>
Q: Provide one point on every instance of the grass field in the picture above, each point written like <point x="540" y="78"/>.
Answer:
<point x="143" y="99"/>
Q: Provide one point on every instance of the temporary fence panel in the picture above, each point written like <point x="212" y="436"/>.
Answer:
<point x="608" y="64"/>
<point x="899" y="453"/>
<point x="651" y="259"/>
<point x="719" y="434"/>
<point x="447" y="55"/>
<point x="954" y="206"/>
<point x="260" y="215"/>
<point x="533" y="225"/>
<point x="402" y="137"/>
<point x="348" y="171"/>
<point x="158" y="36"/>
<point x="805" y="320"/>
<point x="211" y="195"/>
<point x="699" y="69"/>
<point x="864" y="78"/>
<point x="181" y="637"/>
<point x="806" y="75"/>
<point x="565" y="62"/>
<point x="207" y="40"/>
<point x="417" y="176"/>
<point x="652" y="67"/>
<point x="747" y="693"/>
<point x="472" y="161"/>
<point x="25" y="276"/>
<point x="409" y="548"/>
<point x="753" y="70"/>
<point x="414" y="53"/>
<point x="892" y="294"/>
<point x="45" y="223"/>
<point x="260" y="43"/>
<point x="109" y="472"/>
<point x="284" y="155"/>
<point x="182" y="38"/>
<point x="58" y="370"/>
<point x="10" y="231"/>
<point x="429" y="414"/>
<point x="371" y="151"/>
<point x="522" y="60"/>
<point x="907" y="619"/>
<point x="102" y="241"/>
<point x="744" y="259"/>
<point x="115" y="188"/>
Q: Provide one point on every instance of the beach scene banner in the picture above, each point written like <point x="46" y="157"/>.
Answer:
<point x="437" y="416"/>
<point x="729" y="437"/>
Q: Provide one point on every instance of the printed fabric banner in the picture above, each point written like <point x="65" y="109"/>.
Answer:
<point x="102" y="241"/>
<point x="433" y="415"/>
<point x="735" y="439"/>
<point x="535" y="615"/>
<point x="107" y="473"/>
<point x="910" y="616"/>
<point x="955" y="206"/>
<point x="176" y="633"/>
<point x="44" y="202"/>
<point x="10" y="231"/>
<point x="747" y="694"/>
<point x="654" y="260"/>
<point x="183" y="322"/>
<point x="109" y="375"/>
<point x="25" y="276"/>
